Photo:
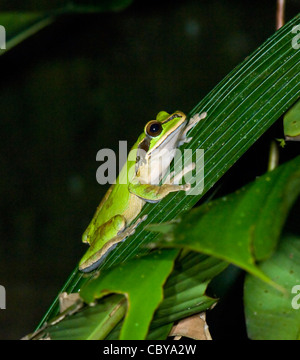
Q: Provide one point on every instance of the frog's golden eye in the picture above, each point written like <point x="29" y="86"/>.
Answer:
<point x="153" y="128"/>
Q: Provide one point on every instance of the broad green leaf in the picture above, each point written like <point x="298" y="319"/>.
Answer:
<point x="184" y="293"/>
<point x="141" y="282"/>
<point x="240" y="109"/>
<point x="185" y="290"/>
<point x="270" y="314"/>
<point x="291" y="123"/>
<point x="242" y="228"/>
<point x="160" y="333"/>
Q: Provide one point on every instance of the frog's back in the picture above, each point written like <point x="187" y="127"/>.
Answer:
<point x="116" y="201"/>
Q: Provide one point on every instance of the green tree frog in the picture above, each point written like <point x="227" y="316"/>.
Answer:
<point x="113" y="220"/>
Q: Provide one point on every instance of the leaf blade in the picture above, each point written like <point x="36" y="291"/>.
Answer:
<point x="242" y="228"/>
<point x="269" y="313"/>
<point x="65" y="6"/>
<point x="20" y="26"/>
<point x="151" y="272"/>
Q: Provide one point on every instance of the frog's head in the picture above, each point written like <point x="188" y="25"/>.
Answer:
<point x="164" y="133"/>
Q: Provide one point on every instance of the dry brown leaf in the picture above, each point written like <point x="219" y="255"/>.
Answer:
<point x="66" y="300"/>
<point x="193" y="327"/>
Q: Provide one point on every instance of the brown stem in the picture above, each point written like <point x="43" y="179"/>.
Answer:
<point x="280" y="14"/>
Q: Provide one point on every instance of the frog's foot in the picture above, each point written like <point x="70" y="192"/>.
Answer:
<point x="131" y="229"/>
<point x="193" y="122"/>
<point x="97" y="257"/>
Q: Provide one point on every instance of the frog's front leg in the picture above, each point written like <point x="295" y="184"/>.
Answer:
<point x="192" y="123"/>
<point x="174" y="178"/>
<point x="105" y="239"/>
<point x="154" y="193"/>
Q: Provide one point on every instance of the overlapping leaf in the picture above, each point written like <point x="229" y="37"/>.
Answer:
<point x="93" y="323"/>
<point x="242" y="228"/>
<point x="270" y="314"/>
<point x="183" y="295"/>
<point x="142" y="283"/>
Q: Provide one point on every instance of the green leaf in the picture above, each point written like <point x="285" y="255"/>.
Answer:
<point x="240" y="109"/>
<point x="185" y="290"/>
<point x="20" y="26"/>
<point x="184" y="293"/>
<point x="291" y="123"/>
<point x="66" y="5"/>
<point x="269" y="313"/>
<point x="142" y="283"/>
<point x="22" y="19"/>
<point x="93" y="323"/>
<point x="244" y="227"/>
<point x="160" y="333"/>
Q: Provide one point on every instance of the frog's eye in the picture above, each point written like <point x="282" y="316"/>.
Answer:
<point x="153" y="128"/>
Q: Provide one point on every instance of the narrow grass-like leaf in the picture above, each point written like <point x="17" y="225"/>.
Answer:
<point x="92" y="323"/>
<point x="240" y="109"/>
<point x="20" y="26"/>
<point x="270" y="314"/>
<point x="66" y="5"/>
<point x="25" y="18"/>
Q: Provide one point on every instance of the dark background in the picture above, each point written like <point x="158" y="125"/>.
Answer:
<point x="83" y="84"/>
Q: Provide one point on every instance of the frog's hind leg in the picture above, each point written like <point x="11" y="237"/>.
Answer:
<point x="86" y="237"/>
<point x="99" y="249"/>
